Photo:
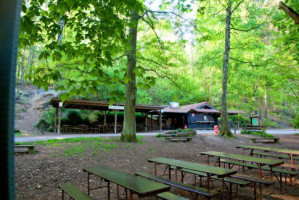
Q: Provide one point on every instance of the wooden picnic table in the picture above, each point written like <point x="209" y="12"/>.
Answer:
<point x="135" y="184"/>
<point x="289" y="152"/>
<point x="259" y="161"/>
<point x="209" y="170"/>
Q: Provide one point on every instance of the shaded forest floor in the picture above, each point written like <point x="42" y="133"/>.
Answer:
<point x="38" y="175"/>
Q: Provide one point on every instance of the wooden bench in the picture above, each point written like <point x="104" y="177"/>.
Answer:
<point x="179" y="139"/>
<point x="187" y="187"/>
<point x="290" y="166"/>
<point x="291" y="174"/>
<point x="230" y="180"/>
<point x="170" y="196"/>
<point x="252" y="166"/>
<point x="256" y="181"/>
<point x="29" y="147"/>
<point x="73" y="191"/>
<point x="280" y="156"/>
<point x="264" y="140"/>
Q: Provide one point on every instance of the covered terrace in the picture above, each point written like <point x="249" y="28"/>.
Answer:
<point x="105" y="108"/>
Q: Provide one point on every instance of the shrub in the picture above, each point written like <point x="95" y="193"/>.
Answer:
<point x="269" y="123"/>
<point x="47" y="120"/>
<point x="296" y="122"/>
<point x="74" y="117"/>
<point x="267" y="135"/>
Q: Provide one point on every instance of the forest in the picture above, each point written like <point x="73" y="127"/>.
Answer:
<point x="234" y="54"/>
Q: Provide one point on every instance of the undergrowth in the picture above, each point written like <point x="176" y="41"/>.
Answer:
<point x="262" y="134"/>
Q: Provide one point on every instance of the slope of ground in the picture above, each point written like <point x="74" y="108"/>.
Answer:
<point x="30" y="104"/>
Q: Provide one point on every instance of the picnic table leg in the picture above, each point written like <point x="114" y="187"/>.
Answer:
<point x="280" y="181"/>
<point x="271" y="173"/>
<point x="219" y="164"/>
<point x="230" y="191"/>
<point x="286" y="185"/>
<point x="88" y="186"/>
<point x="254" y="190"/>
<point x="130" y="195"/>
<point x="155" y="168"/>
<point x="223" y="189"/>
<point x="208" y="160"/>
<point x="260" y="176"/>
<point x="108" y="187"/>
<point x="208" y="181"/>
<point x="62" y="197"/>
<point x="169" y="171"/>
<point x="292" y="160"/>
<point x="117" y="192"/>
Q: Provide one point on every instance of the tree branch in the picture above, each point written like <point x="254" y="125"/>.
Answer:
<point x="290" y="12"/>
<point x="160" y="75"/>
<point x="149" y="60"/>
<point x="151" y="24"/>
<point x="245" y="62"/>
<point x="237" y="5"/>
<point x="175" y="14"/>
<point x="236" y="29"/>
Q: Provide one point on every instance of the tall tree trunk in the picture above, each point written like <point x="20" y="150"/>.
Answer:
<point x="267" y="104"/>
<point x="129" y="127"/>
<point x="225" y="130"/>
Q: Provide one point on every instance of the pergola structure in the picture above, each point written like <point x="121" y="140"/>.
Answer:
<point x="104" y="107"/>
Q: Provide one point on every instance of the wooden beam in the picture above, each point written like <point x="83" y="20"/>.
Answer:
<point x="115" y="121"/>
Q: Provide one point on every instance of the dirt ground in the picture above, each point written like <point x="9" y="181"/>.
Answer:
<point x="38" y="175"/>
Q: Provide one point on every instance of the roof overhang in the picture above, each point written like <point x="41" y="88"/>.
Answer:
<point x="100" y="105"/>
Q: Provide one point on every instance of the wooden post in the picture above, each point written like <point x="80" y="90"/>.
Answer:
<point x="59" y="120"/>
<point x="55" y="123"/>
<point x="151" y="121"/>
<point x="105" y="120"/>
<point x="146" y="122"/>
<point x="160" y="120"/>
<point x="115" y="121"/>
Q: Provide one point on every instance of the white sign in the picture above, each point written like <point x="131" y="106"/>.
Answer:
<point x="174" y="105"/>
<point x="116" y="107"/>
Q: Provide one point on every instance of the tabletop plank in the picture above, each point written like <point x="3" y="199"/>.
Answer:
<point x="278" y="150"/>
<point x="262" y="161"/>
<point x="220" y="172"/>
<point x="134" y="183"/>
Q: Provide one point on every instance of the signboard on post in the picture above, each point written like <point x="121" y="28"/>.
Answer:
<point x="116" y="107"/>
<point x="174" y="105"/>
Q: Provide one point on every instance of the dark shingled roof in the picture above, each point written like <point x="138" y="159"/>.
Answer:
<point x="203" y="107"/>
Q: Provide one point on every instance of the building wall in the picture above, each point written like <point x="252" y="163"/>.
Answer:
<point x="200" y="121"/>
